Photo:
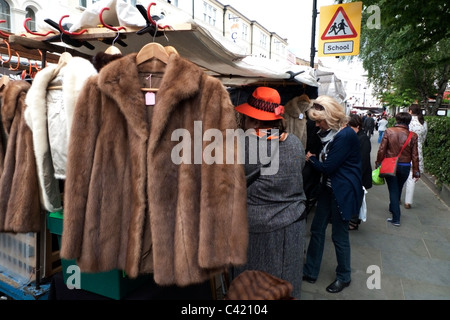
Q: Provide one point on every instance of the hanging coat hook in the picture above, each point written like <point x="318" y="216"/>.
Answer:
<point x="69" y="33"/>
<point x="9" y="52"/>
<point x="35" y="33"/>
<point x="149" y="16"/>
<point x="106" y="25"/>
<point x="36" y="64"/>
<point x="1" y="32"/>
<point x="18" y="63"/>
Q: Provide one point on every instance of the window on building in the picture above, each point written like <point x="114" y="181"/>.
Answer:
<point x="31" y="24"/>
<point x="86" y="3"/>
<point x="244" y="32"/>
<point x="263" y="39"/>
<point x="5" y="14"/>
<point x="277" y="45"/>
<point x="209" y="14"/>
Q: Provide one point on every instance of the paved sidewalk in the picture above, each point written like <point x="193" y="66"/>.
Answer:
<point x="414" y="259"/>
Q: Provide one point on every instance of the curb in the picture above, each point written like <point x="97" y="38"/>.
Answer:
<point x="443" y="193"/>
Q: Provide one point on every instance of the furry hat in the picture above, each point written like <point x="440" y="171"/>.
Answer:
<point x="259" y="285"/>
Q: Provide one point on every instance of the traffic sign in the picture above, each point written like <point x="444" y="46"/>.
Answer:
<point x="339" y="29"/>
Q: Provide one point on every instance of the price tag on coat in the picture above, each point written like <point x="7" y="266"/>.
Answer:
<point x="150" y="99"/>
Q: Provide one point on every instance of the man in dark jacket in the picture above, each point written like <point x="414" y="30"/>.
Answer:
<point x="369" y="125"/>
<point x="355" y="122"/>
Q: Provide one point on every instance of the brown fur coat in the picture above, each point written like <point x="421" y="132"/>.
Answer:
<point x="127" y="205"/>
<point x="20" y="206"/>
<point x="295" y="116"/>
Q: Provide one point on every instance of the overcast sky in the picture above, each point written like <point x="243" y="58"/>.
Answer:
<point x="291" y="19"/>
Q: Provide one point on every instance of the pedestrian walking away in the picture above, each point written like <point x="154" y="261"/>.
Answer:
<point x="341" y="190"/>
<point x="382" y="125"/>
<point x="355" y="122"/>
<point x="393" y="140"/>
<point x="419" y="126"/>
<point x="369" y="125"/>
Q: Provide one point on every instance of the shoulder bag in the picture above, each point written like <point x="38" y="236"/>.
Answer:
<point x="389" y="165"/>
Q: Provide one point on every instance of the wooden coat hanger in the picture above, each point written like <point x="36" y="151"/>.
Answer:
<point x="152" y="50"/>
<point x="64" y="58"/>
<point x="4" y="80"/>
<point x="113" y="50"/>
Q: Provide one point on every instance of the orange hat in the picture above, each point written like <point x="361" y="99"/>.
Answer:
<point x="263" y="104"/>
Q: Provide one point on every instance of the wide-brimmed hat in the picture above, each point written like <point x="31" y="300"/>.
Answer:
<point x="263" y="104"/>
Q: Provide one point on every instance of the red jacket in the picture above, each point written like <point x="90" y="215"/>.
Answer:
<point x="392" y="143"/>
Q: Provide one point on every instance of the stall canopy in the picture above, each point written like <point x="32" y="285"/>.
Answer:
<point x="331" y="85"/>
<point x="129" y="28"/>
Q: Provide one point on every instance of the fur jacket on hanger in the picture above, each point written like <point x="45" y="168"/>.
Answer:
<point x="127" y="204"/>
<point x="49" y="115"/>
<point x="20" y="209"/>
<point x="295" y="116"/>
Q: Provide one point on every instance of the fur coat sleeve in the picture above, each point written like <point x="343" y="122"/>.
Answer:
<point x="128" y="204"/>
<point x="19" y="190"/>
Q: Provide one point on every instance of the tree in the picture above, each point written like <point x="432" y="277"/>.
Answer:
<point x="410" y="50"/>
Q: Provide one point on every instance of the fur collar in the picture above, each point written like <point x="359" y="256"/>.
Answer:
<point x="75" y="73"/>
<point x="298" y="105"/>
<point x="10" y="98"/>
<point x="119" y="81"/>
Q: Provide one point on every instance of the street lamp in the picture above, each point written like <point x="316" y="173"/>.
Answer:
<point x="364" y="98"/>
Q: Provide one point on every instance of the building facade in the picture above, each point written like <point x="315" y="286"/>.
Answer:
<point x="221" y="19"/>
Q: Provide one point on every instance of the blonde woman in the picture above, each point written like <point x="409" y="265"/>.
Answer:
<point x="341" y="191"/>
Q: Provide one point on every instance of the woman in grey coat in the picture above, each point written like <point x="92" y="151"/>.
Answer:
<point x="275" y="197"/>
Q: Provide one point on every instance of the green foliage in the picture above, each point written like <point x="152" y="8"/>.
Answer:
<point x="398" y="98"/>
<point x="410" y="51"/>
<point x="437" y="148"/>
<point x="391" y="122"/>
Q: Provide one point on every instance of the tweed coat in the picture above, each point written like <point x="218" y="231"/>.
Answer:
<point x="127" y="204"/>
<point x="20" y="207"/>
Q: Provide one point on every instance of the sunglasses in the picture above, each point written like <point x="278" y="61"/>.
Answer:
<point x="318" y="107"/>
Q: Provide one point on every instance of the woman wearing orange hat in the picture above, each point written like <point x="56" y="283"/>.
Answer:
<point x="341" y="193"/>
<point x="274" y="161"/>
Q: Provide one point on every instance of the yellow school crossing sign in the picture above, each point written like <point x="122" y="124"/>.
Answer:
<point x="339" y="29"/>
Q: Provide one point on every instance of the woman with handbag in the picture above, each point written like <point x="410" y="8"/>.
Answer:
<point x="395" y="143"/>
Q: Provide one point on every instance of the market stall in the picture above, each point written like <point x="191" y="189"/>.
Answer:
<point x="199" y="57"/>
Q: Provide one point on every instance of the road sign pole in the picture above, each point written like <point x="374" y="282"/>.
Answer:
<point x="313" y="34"/>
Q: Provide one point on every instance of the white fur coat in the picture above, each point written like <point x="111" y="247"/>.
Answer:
<point x="49" y="115"/>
